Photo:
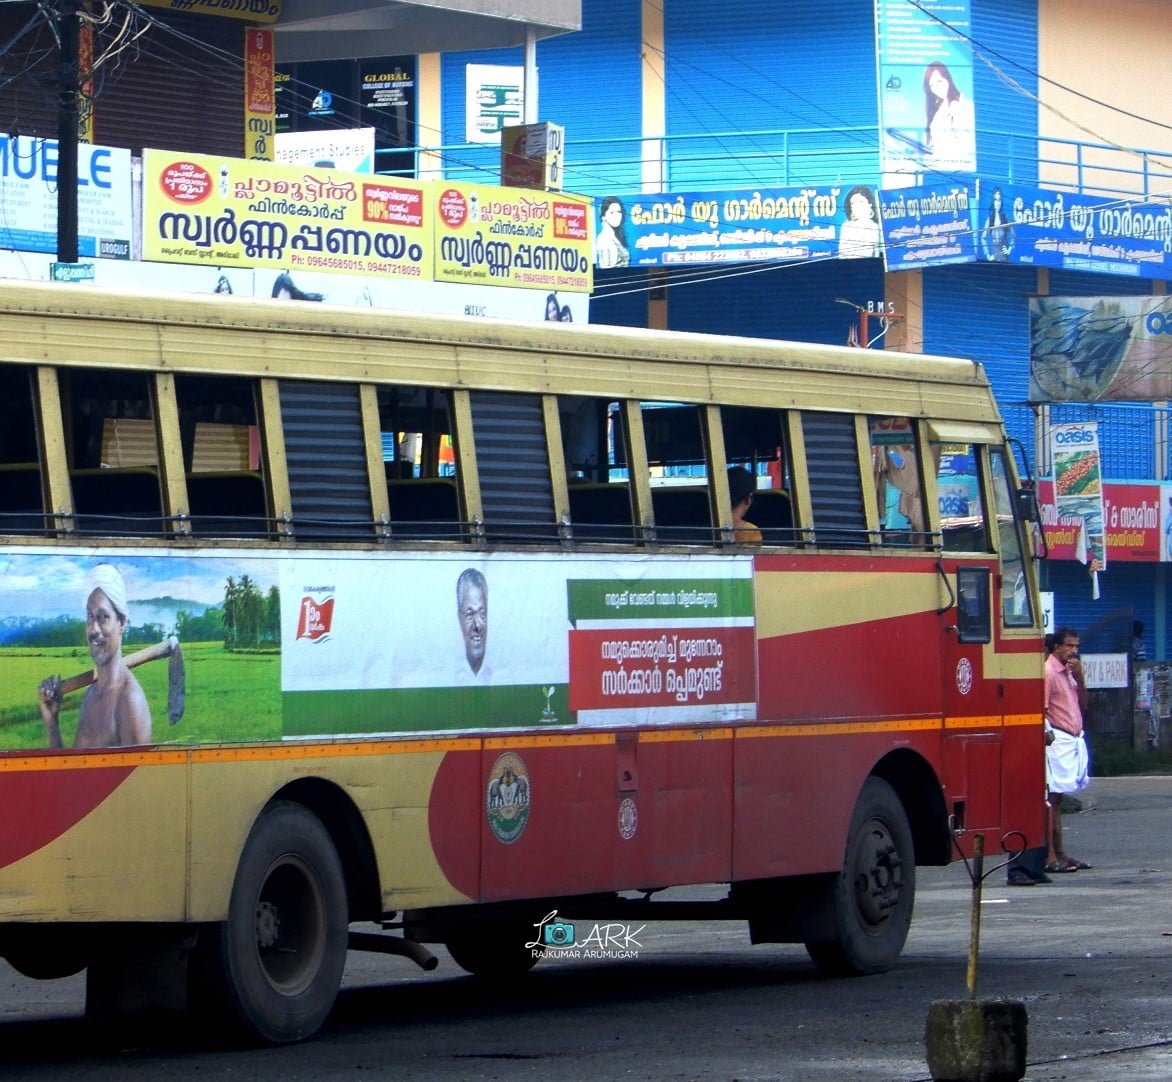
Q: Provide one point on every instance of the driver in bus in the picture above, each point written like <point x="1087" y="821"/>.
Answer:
<point x="472" y="610"/>
<point x="114" y="712"/>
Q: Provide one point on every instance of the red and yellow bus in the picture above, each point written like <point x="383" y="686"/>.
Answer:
<point x="313" y="616"/>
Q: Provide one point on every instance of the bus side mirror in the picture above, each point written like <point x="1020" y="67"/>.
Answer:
<point x="1027" y="504"/>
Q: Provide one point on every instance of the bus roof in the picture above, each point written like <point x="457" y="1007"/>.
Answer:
<point x="218" y="334"/>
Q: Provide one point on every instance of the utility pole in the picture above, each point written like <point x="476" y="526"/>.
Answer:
<point x="68" y="24"/>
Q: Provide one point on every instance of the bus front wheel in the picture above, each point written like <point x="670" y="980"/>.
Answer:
<point x="873" y="895"/>
<point x="275" y="966"/>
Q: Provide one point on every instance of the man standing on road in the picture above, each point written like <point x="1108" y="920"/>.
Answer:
<point x="1066" y="756"/>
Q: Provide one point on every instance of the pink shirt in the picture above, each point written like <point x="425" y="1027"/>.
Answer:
<point x="1061" y="704"/>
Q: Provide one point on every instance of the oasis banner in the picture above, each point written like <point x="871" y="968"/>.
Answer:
<point x="762" y="224"/>
<point x="925" y="66"/>
<point x="1092" y="349"/>
<point x="1078" y="490"/>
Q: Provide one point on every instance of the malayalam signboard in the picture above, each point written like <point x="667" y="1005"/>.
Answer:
<point x="764" y="224"/>
<point x="255" y="11"/>
<point x="231" y="212"/>
<point x="1134" y="515"/>
<point x="28" y="194"/>
<point x="512" y="236"/>
<point x="1070" y="231"/>
<point x="928" y="226"/>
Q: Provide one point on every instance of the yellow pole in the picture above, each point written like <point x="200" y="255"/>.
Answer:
<point x="975" y="917"/>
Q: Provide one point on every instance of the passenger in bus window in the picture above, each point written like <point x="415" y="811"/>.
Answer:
<point x="566" y="315"/>
<point x="553" y="309"/>
<point x="741" y="486"/>
<point x="114" y="712"/>
<point x="472" y="609"/>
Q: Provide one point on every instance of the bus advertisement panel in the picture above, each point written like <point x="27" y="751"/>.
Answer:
<point x="283" y="648"/>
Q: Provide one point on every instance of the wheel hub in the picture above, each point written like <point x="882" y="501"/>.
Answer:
<point x="878" y="875"/>
<point x="268" y="925"/>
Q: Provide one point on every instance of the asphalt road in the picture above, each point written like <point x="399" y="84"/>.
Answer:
<point x="1089" y="955"/>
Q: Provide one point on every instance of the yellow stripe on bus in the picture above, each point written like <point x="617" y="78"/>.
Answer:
<point x="363" y="748"/>
<point x="839" y="599"/>
<point x="989" y="721"/>
<point x="836" y="728"/>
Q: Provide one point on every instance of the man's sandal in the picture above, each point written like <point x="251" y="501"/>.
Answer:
<point x="1057" y="866"/>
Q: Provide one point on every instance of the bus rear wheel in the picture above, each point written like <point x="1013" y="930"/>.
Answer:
<point x="275" y="966"/>
<point x="874" y="894"/>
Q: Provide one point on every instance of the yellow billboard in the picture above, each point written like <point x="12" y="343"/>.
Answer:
<point x="233" y="212"/>
<point x="487" y="235"/>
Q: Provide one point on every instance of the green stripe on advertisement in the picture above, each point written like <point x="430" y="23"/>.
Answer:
<point x="659" y="599"/>
<point x="419" y="710"/>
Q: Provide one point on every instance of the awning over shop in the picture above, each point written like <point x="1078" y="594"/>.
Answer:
<point x="328" y="29"/>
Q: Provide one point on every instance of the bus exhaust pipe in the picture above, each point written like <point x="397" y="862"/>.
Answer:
<point x="390" y="944"/>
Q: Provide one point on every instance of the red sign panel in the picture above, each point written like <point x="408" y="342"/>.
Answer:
<point x="621" y="668"/>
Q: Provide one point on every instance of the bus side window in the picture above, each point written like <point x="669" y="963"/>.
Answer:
<point x="420" y="461"/>
<point x="896" y="474"/>
<point x="680" y="497"/>
<point x="836" y="486"/>
<point x="112" y="452"/>
<point x="512" y="460"/>
<point x="599" y="486"/>
<point x="325" y="450"/>
<point x="226" y="491"/>
<point x="22" y="505"/>
<point x="755" y="439"/>
<point x="958" y="487"/>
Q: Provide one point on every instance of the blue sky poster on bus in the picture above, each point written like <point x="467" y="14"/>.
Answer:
<point x="191" y="645"/>
<point x="247" y="647"/>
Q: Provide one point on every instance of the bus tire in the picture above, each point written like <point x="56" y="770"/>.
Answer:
<point x="874" y="894"/>
<point x="493" y="950"/>
<point x="275" y="965"/>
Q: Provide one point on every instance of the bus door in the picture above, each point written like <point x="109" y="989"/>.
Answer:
<point x="972" y="691"/>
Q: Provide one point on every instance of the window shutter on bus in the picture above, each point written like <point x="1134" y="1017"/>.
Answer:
<point x="832" y="468"/>
<point x="326" y="453"/>
<point x="516" y="491"/>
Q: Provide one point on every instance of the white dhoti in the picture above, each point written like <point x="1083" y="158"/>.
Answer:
<point x="1066" y="763"/>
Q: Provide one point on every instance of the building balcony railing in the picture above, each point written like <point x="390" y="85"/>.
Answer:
<point x="796" y="156"/>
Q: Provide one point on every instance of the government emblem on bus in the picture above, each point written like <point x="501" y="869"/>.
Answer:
<point x="315" y="616"/>
<point x="507" y="799"/>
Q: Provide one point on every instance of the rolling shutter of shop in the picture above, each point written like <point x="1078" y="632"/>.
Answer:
<point x="1005" y="36"/>
<point x="173" y="94"/>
